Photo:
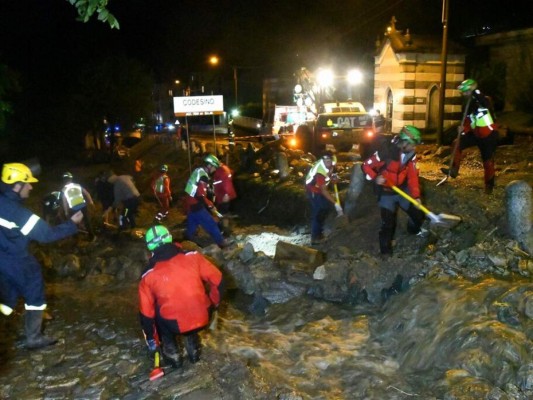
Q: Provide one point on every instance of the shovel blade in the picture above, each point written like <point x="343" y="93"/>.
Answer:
<point x="443" y="180"/>
<point x="446" y="220"/>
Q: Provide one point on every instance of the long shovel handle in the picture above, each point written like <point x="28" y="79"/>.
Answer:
<point x="337" y="199"/>
<point x="413" y="201"/>
<point x="459" y="131"/>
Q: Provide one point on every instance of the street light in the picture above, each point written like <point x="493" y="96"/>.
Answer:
<point x="354" y="77"/>
<point x="214" y="61"/>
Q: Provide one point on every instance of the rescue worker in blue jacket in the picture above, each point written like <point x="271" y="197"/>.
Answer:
<point x="20" y="272"/>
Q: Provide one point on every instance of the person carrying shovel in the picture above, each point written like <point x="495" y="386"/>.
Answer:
<point x="316" y="187"/>
<point x="477" y="129"/>
<point x="394" y="166"/>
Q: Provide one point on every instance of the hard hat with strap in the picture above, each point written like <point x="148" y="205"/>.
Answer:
<point x="156" y="236"/>
<point x="210" y="159"/>
<point x="411" y="134"/>
<point x="17" y="172"/>
<point x="163" y="168"/>
<point x="467" y="85"/>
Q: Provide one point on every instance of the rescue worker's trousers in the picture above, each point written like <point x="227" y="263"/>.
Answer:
<point x="487" y="147"/>
<point x="204" y="219"/>
<point x="320" y="207"/>
<point x="389" y="209"/>
<point x="129" y="212"/>
<point x="22" y="277"/>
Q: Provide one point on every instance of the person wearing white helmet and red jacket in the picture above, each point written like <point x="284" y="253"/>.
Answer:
<point x="479" y="129"/>
<point x="20" y="272"/>
<point x="177" y="294"/>
<point x="199" y="207"/>
<point x="395" y="164"/>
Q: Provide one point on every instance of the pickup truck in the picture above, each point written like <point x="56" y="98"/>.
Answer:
<point x="341" y="125"/>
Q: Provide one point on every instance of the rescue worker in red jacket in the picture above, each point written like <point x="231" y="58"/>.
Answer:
<point x="199" y="207"/>
<point x="173" y="297"/>
<point x="222" y="186"/>
<point x="479" y="130"/>
<point x="20" y="272"/>
<point x="316" y="187"/>
<point x="395" y="164"/>
<point x="161" y="190"/>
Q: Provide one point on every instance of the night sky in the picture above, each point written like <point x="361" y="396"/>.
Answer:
<point x="174" y="37"/>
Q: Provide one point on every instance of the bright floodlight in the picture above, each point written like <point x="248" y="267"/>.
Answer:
<point x="213" y="60"/>
<point x="298" y="89"/>
<point x="324" y="77"/>
<point x="354" y="77"/>
<point x="235" y="113"/>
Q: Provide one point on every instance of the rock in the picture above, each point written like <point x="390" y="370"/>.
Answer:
<point x="247" y="253"/>
<point x="320" y="273"/>
<point x="518" y="207"/>
<point x="69" y="266"/>
<point x="357" y="182"/>
<point x="305" y="256"/>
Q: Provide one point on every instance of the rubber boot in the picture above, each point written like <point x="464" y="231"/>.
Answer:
<point x="386" y="233"/>
<point x="415" y="221"/>
<point x="172" y="352"/>
<point x="33" y="321"/>
<point x="193" y="346"/>
<point x="489" y="174"/>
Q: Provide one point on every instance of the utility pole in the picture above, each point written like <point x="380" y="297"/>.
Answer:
<point x="236" y="85"/>
<point x="443" y="61"/>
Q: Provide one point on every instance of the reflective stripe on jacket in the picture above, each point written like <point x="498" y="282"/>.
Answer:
<point x="192" y="184"/>
<point x="18" y="226"/>
<point x="398" y="172"/>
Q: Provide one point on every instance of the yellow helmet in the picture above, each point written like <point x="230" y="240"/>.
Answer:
<point x="16" y="172"/>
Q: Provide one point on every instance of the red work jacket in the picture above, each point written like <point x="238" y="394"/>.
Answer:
<point x="394" y="171"/>
<point x="223" y="184"/>
<point x="176" y="286"/>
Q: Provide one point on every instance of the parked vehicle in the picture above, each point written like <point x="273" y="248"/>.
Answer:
<point x="341" y="125"/>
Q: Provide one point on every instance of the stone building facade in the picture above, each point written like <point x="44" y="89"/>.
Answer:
<point x="515" y="50"/>
<point x="407" y="81"/>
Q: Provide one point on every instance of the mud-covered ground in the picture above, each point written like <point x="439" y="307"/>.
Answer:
<point x="101" y="354"/>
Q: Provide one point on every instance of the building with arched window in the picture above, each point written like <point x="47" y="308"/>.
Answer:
<point x="407" y="81"/>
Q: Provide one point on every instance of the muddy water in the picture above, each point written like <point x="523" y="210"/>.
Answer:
<point x="442" y="339"/>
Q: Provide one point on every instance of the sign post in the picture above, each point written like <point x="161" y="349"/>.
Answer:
<point x="198" y="105"/>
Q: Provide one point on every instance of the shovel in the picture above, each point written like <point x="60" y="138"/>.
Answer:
<point x="157" y="372"/>
<point x="341" y="219"/>
<point x="459" y="131"/>
<point x="441" y="220"/>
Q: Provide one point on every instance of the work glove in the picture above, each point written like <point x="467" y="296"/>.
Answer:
<point x="338" y="208"/>
<point x="152" y="346"/>
<point x="335" y="178"/>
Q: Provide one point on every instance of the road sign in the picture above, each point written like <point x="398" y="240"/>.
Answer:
<point x="198" y="105"/>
